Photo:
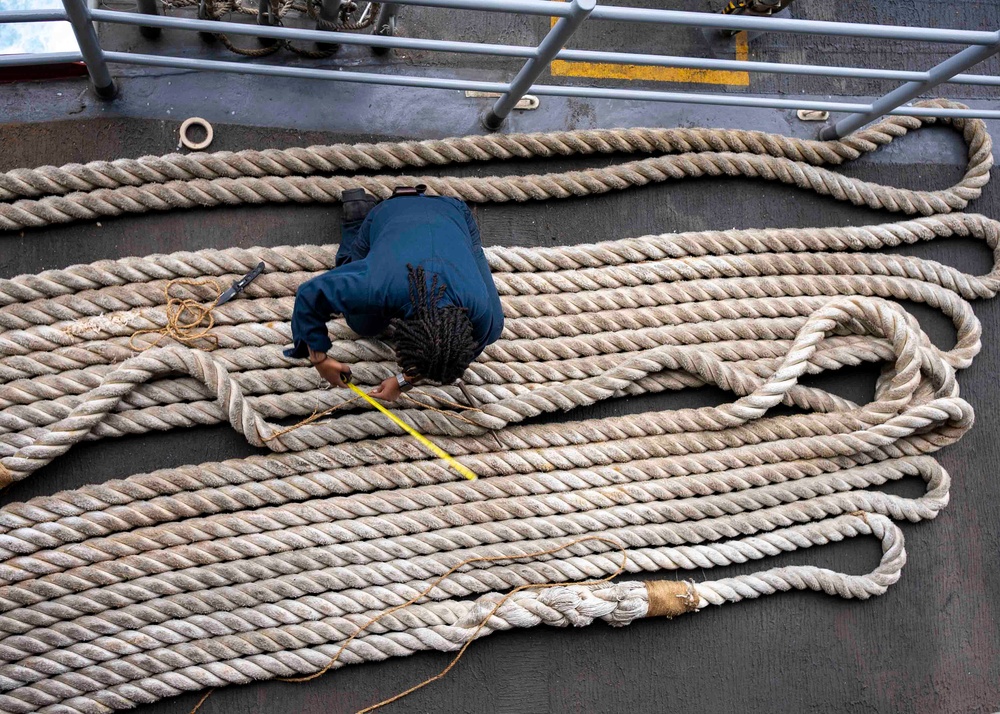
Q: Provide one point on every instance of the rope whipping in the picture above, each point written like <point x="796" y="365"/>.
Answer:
<point x="130" y="591"/>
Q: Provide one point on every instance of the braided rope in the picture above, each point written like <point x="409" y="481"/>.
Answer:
<point x="130" y="591"/>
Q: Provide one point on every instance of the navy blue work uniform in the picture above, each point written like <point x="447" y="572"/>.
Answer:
<point x="370" y="284"/>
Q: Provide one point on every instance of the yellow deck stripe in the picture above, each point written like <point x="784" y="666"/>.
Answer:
<point x="610" y="70"/>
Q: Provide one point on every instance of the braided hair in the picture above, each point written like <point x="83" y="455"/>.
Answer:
<point x="434" y="343"/>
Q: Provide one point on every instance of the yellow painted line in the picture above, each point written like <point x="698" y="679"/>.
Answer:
<point x="610" y="70"/>
<point x="431" y="446"/>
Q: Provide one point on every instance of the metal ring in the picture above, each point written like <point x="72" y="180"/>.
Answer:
<point x="196" y="121"/>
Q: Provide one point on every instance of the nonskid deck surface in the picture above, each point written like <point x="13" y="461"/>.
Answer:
<point x="929" y="646"/>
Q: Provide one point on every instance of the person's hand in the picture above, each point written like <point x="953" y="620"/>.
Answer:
<point x="387" y="391"/>
<point x="333" y="371"/>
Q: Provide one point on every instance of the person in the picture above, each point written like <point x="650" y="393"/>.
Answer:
<point x="411" y="269"/>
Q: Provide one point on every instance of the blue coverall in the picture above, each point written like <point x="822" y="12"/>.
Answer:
<point x="370" y="284"/>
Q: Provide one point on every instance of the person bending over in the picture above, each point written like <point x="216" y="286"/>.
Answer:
<point x="411" y="268"/>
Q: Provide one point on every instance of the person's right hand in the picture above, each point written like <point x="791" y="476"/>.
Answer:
<point x="333" y="371"/>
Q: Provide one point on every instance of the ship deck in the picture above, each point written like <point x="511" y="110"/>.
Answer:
<point x="930" y="645"/>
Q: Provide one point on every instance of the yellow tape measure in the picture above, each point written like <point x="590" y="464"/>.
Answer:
<point x="434" y="448"/>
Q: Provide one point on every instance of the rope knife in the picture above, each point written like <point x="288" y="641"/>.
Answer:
<point x="240" y="285"/>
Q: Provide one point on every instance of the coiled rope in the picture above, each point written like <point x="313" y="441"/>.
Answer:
<point x="126" y="592"/>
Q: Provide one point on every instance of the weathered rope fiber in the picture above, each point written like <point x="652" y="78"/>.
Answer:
<point x="51" y="195"/>
<point x="126" y="592"/>
<point x="636" y="309"/>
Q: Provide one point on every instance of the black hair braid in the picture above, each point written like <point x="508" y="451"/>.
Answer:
<point x="434" y="343"/>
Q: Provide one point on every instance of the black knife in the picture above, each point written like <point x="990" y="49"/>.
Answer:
<point x="240" y="285"/>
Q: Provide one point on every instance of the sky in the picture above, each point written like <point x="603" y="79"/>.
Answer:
<point x="34" y="37"/>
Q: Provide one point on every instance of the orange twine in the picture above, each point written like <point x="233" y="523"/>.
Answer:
<point x="446" y="412"/>
<point x="319" y="415"/>
<point x="442" y="400"/>
<point x="202" y="700"/>
<point x="309" y="419"/>
<point x="482" y="624"/>
<point x="482" y="559"/>
<point x="184" y="318"/>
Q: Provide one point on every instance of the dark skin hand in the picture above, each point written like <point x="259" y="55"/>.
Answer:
<point x="390" y="390"/>
<point x="331" y="370"/>
<point x="335" y="372"/>
<point x="387" y="391"/>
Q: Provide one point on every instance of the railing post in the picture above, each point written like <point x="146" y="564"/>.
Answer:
<point x="148" y="7"/>
<point x="385" y="24"/>
<point x="553" y="42"/>
<point x="911" y="90"/>
<point x="329" y="15"/>
<point x="86" y="36"/>
<point x="266" y="18"/>
<point x="385" y="21"/>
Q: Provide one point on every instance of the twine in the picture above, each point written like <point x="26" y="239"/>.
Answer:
<point x="482" y="559"/>
<point x="315" y="416"/>
<point x="670" y="598"/>
<point x="202" y="700"/>
<point x="186" y="331"/>
<point x="309" y="420"/>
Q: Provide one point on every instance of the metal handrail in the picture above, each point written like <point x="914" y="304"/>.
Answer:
<point x="551" y="8"/>
<point x="539" y="89"/>
<point x="571" y="15"/>
<point x="12" y="16"/>
<point x="807" y="27"/>
<point x="411" y="43"/>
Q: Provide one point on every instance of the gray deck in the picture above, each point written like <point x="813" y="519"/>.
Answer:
<point x="930" y="645"/>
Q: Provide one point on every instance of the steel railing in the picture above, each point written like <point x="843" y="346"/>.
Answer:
<point x="571" y="15"/>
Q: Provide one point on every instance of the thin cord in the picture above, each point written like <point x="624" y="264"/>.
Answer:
<point x="187" y="331"/>
<point x="310" y="419"/>
<point x="482" y="559"/>
<point x="202" y="701"/>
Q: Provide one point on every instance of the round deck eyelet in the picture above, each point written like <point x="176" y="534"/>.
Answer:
<point x="196" y="121"/>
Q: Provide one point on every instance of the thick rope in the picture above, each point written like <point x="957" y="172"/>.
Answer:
<point x="126" y="592"/>
<point x="52" y="195"/>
